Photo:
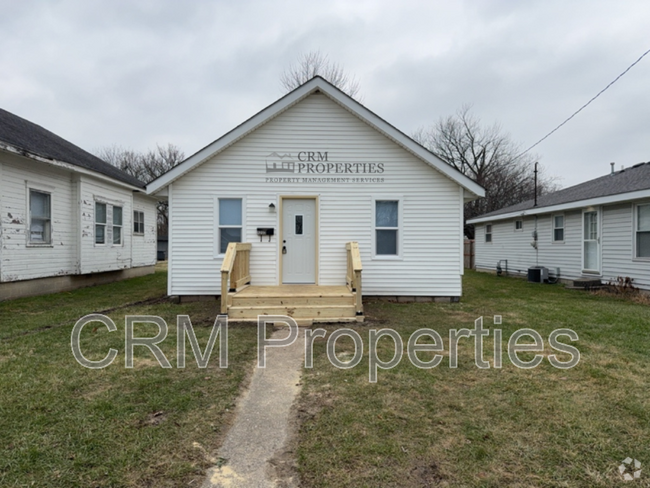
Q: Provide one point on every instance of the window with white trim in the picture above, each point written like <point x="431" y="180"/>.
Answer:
<point x="387" y="227"/>
<point x="100" y="223"/>
<point x="558" y="228"/>
<point x="138" y="222"/>
<point x="40" y="217"/>
<point x="642" y="231"/>
<point x="117" y="226"/>
<point x="230" y="222"/>
<point x="519" y="224"/>
<point x="488" y="232"/>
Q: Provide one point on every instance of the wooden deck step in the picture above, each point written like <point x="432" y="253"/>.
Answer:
<point x="305" y="303"/>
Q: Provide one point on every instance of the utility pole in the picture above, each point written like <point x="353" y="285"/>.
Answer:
<point x="536" y="163"/>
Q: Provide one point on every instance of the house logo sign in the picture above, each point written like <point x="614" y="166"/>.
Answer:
<point x="316" y="163"/>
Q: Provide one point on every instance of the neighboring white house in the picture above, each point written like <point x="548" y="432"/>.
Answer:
<point x="66" y="217"/>
<point x="299" y="180"/>
<point x="599" y="229"/>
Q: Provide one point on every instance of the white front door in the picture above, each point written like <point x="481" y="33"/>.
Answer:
<point x="299" y="240"/>
<point x="591" y="242"/>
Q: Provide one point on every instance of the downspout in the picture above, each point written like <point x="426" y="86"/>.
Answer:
<point x="536" y="239"/>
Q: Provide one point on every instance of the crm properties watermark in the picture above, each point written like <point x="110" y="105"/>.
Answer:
<point x="421" y="341"/>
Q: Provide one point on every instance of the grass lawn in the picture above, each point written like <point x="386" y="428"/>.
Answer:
<point x="541" y="427"/>
<point x="62" y="425"/>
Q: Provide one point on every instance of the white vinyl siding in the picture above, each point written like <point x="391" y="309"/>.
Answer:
<point x="144" y="245"/>
<point x="71" y="248"/>
<point x="22" y="259"/>
<point x="432" y="214"/>
<point x="617" y="234"/>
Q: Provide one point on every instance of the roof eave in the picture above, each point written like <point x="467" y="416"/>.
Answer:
<point x="303" y="91"/>
<point x="589" y="202"/>
<point x="68" y="166"/>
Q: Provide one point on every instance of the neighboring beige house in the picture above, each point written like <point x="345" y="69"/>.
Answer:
<point x="300" y="180"/>
<point x="67" y="218"/>
<point x="598" y="230"/>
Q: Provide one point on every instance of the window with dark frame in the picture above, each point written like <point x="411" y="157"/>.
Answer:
<point x="558" y="228"/>
<point x="230" y="222"/>
<point x="100" y="223"/>
<point x="643" y="231"/>
<point x="519" y="224"/>
<point x="138" y="222"/>
<point x="117" y="226"/>
<point x="386" y="227"/>
<point x="40" y="217"/>
<point x="488" y="233"/>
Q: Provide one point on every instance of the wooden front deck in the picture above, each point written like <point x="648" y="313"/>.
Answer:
<point x="307" y="304"/>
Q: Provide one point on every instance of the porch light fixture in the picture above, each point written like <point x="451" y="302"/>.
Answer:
<point x="272" y="208"/>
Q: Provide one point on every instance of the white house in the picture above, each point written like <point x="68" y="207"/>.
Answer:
<point x="67" y="218"/>
<point x="306" y="182"/>
<point x="598" y="230"/>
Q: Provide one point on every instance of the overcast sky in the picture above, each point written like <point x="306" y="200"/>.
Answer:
<point x="137" y="73"/>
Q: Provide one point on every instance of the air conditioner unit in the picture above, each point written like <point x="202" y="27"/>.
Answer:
<point x="538" y="274"/>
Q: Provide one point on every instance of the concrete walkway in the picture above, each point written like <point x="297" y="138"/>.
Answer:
<point x="261" y="425"/>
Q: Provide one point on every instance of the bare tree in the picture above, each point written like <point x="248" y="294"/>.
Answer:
<point x="146" y="167"/>
<point x="314" y="63"/>
<point x="489" y="157"/>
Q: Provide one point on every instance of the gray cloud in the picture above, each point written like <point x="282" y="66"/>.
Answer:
<point x="141" y="73"/>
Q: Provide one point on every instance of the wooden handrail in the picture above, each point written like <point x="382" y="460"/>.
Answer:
<point x="235" y="270"/>
<point x="353" y="275"/>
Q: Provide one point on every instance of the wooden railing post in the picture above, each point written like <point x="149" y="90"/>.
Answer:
<point x="235" y="271"/>
<point x="353" y="274"/>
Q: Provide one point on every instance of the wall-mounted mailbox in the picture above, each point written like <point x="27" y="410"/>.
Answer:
<point x="265" y="231"/>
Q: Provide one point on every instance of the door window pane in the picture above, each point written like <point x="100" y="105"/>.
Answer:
<point x="298" y="225"/>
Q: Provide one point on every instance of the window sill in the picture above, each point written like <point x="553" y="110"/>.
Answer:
<point x="39" y="245"/>
<point x="641" y="260"/>
<point x="557" y="242"/>
<point x="387" y="257"/>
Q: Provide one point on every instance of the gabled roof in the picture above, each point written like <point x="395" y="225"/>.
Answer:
<point x="316" y="84"/>
<point x="626" y="184"/>
<point x="24" y="137"/>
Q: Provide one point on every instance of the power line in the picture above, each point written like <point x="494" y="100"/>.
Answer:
<point x="586" y="104"/>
